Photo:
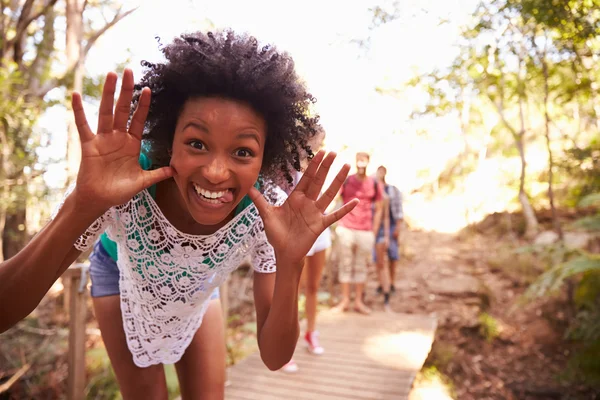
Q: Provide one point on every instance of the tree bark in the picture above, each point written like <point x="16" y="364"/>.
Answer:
<point x="518" y="136"/>
<point x="74" y="38"/>
<point x="545" y="73"/>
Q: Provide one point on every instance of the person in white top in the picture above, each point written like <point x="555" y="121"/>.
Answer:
<point x="222" y="117"/>
<point x="312" y="273"/>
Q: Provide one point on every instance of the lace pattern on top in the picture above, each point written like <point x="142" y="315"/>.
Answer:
<point x="167" y="276"/>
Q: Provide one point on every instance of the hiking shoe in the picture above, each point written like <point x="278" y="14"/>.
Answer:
<point x="312" y="343"/>
<point x="290" y="367"/>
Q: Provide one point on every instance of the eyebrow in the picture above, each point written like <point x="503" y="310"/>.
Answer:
<point x="249" y="135"/>
<point x="244" y="135"/>
<point x="196" y="125"/>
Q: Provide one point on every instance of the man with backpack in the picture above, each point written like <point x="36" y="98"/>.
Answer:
<point x="356" y="232"/>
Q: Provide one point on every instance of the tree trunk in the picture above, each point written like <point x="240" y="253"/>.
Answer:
<point x="74" y="38"/>
<point x="555" y="220"/>
<point x="14" y="235"/>
<point x="530" y="219"/>
<point x="531" y="222"/>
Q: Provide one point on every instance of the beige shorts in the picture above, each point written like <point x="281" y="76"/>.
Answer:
<point x="355" y="250"/>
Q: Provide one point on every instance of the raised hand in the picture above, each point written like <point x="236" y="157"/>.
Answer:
<point x="293" y="227"/>
<point x="110" y="173"/>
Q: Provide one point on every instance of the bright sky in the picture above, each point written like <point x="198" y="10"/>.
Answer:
<point x="318" y="34"/>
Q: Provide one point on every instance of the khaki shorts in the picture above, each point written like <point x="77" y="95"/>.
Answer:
<point x="355" y="250"/>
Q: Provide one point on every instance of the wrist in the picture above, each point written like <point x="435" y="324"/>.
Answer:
<point x="288" y="270"/>
<point x="77" y="206"/>
<point x="84" y="207"/>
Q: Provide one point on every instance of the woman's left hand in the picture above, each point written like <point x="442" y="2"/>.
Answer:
<point x="293" y="227"/>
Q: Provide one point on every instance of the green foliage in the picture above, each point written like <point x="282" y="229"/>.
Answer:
<point x="591" y="223"/>
<point x="103" y="382"/>
<point x="591" y="200"/>
<point x="582" y="166"/>
<point x="551" y="280"/>
<point x="584" y="365"/>
<point x="574" y="20"/>
<point x="488" y="327"/>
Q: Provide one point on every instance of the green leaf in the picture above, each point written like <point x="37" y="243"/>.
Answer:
<point x="552" y="280"/>
<point x="591" y="223"/>
<point x="590" y="200"/>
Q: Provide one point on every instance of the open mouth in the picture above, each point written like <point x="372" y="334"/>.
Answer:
<point x="213" y="197"/>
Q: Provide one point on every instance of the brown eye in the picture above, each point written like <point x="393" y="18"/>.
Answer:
<point x="196" y="144"/>
<point x="243" y="153"/>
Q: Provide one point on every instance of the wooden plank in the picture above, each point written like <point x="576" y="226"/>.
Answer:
<point x="366" y="372"/>
<point x="236" y="393"/>
<point x="386" y="382"/>
<point x="270" y="393"/>
<point x="366" y="357"/>
<point x="283" y="383"/>
<point x="77" y="318"/>
<point x="315" y="369"/>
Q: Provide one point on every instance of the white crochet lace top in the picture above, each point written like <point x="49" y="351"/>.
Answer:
<point x="167" y="276"/>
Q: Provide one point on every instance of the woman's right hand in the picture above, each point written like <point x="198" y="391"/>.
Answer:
<point x="110" y="173"/>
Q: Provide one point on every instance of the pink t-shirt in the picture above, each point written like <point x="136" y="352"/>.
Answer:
<point x="361" y="218"/>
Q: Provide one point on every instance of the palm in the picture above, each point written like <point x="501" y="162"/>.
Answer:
<point x="110" y="173"/>
<point x="293" y="227"/>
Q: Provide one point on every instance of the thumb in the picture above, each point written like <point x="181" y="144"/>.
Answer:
<point x="260" y="202"/>
<point x="154" y="176"/>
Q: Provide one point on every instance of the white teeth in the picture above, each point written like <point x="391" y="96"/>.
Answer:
<point x="207" y="193"/>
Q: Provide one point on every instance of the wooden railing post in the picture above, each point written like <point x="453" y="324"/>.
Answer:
<point x="77" y="275"/>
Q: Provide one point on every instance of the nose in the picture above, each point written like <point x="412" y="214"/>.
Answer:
<point x="217" y="170"/>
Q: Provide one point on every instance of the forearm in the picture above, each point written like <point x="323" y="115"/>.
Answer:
<point x="26" y="277"/>
<point x="278" y="335"/>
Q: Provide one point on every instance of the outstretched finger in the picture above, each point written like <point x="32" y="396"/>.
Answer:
<point x="105" y="117"/>
<point x="141" y="112"/>
<point x="333" y="189"/>
<point x="314" y="188"/>
<point x="85" y="133"/>
<point x="310" y="172"/>
<point x="262" y="205"/>
<point x="124" y="102"/>
<point x="340" y="213"/>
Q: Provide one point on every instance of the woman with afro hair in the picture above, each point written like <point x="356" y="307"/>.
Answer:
<point x="180" y="184"/>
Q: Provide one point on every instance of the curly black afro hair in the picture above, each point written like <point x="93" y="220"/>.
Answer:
<point x="233" y="66"/>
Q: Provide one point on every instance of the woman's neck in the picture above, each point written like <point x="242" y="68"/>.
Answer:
<point x="173" y="207"/>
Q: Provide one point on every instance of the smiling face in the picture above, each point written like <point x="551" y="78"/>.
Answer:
<point x="217" y="155"/>
<point x="362" y="162"/>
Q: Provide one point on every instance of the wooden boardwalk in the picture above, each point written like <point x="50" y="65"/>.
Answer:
<point x="372" y="357"/>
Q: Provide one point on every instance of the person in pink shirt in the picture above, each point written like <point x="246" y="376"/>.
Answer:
<point x="356" y="232"/>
